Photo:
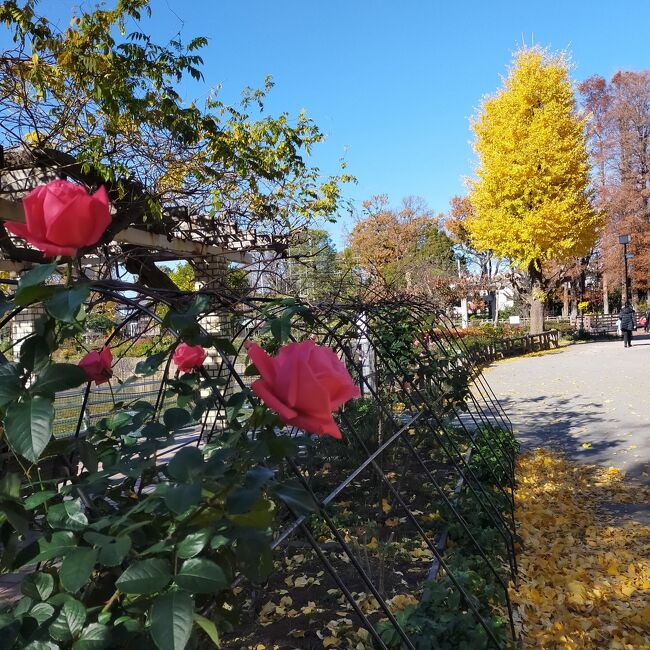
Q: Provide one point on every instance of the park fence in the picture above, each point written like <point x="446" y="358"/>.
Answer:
<point x="516" y="345"/>
<point x="422" y="480"/>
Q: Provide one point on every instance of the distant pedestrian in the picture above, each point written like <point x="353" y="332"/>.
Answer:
<point x="628" y="324"/>
<point x="646" y="327"/>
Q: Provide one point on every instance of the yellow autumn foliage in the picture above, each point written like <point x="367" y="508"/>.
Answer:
<point x="584" y="573"/>
<point x="531" y="198"/>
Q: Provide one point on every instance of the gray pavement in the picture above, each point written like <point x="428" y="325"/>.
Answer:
<point x="591" y="400"/>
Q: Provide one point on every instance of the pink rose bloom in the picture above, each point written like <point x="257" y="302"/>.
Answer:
<point x="187" y="357"/>
<point x="97" y="365"/>
<point x="61" y="217"/>
<point x="304" y="384"/>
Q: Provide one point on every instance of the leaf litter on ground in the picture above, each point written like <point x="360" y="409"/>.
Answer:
<point x="584" y="571"/>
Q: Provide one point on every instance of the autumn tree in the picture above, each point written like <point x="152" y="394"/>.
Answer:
<point x="619" y="138"/>
<point x="531" y="197"/>
<point x="401" y="248"/>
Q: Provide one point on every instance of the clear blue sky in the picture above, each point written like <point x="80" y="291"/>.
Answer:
<point x="393" y="83"/>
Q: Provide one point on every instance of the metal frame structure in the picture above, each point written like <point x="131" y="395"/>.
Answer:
<point x="434" y="438"/>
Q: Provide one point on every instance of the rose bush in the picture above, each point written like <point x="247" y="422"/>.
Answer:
<point x="129" y="538"/>
<point x="304" y="384"/>
<point x="61" y="217"/>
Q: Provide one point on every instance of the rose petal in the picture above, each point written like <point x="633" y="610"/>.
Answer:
<point x="106" y="356"/>
<point x="264" y="391"/>
<point x="320" y="427"/>
<point x="73" y="225"/>
<point x="263" y="362"/>
<point x="101" y="215"/>
<point x="33" y="205"/>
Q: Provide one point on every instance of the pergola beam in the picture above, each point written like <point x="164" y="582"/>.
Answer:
<point x="10" y="211"/>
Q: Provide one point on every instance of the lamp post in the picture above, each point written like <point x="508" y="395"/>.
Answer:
<point x="625" y="240"/>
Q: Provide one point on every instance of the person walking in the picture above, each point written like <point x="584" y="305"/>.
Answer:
<point x="646" y="327"/>
<point x="628" y="324"/>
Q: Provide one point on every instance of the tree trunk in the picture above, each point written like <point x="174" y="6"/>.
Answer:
<point x="605" y="295"/>
<point x="565" y="301"/>
<point x="537" y="299"/>
<point x="536" y="315"/>
<point x="573" y="297"/>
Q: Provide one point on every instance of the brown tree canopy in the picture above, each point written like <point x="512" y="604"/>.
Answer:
<point x="620" y="149"/>
<point x="401" y="247"/>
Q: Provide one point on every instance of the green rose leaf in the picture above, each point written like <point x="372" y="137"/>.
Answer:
<point x="201" y="576"/>
<point x="88" y="455"/>
<point x="38" y="498"/>
<point x="34" y="352"/>
<point x="57" y="377"/>
<point x="208" y="627"/>
<point x="296" y="497"/>
<point x="10" y="386"/>
<point x="62" y="543"/>
<point x="42" y="613"/>
<point x="253" y="551"/>
<point x="259" y="516"/>
<point x="28" y="426"/>
<point x="223" y="345"/>
<point x="171" y="620"/>
<point x="10" y="485"/>
<point x="67" y="515"/>
<point x="77" y="567"/>
<point x="180" y="498"/>
<point x="36" y="275"/>
<point x="145" y="577"/>
<point x="193" y="544"/>
<point x="43" y="645"/>
<point x="16" y="516"/>
<point x="69" y="623"/>
<point x="176" y="418"/>
<point x="112" y="550"/>
<point x="65" y="303"/>
<point x="93" y="637"/>
<point x="187" y="464"/>
<point x="38" y="586"/>
<point x="281" y="328"/>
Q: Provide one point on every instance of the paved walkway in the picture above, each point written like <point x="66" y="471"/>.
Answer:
<point x="591" y="400"/>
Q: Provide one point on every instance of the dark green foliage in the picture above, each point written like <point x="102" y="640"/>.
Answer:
<point x="443" y="619"/>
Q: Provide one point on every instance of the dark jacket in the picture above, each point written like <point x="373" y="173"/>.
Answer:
<point x="628" y="318"/>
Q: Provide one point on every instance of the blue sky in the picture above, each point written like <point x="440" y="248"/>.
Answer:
<point x="392" y="84"/>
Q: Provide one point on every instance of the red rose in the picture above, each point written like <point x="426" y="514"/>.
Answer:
<point x="97" y="365"/>
<point x="61" y="217"/>
<point x="187" y="357"/>
<point x="304" y="384"/>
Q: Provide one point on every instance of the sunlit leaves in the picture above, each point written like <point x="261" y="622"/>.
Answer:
<point x="531" y="198"/>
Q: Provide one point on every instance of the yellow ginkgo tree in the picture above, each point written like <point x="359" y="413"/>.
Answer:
<point x="531" y="197"/>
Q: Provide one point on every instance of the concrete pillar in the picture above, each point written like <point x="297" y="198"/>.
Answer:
<point x="210" y="274"/>
<point x="464" y="314"/>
